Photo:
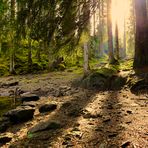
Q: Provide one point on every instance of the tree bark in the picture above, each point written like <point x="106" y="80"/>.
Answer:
<point x="141" y="40"/>
<point x="86" y="59"/>
<point x="12" y="50"/>
<point x="94" y="20"/>
<point x="29" y="55"/>
<point x="110" y="36"/>
<point x="12" y="63"/>
<point x="101" y="28"/>
<point x="124" y="39"/>
<point x="117" y="42"/>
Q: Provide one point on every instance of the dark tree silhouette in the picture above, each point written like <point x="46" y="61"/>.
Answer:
<point x="141" y="40"/>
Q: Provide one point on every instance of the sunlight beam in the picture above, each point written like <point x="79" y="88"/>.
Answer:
<point x="120" y="13"/>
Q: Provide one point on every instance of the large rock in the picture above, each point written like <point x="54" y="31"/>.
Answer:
<point x="20" y="114"/>
<point x="4" y="124"/>
<point x="9" y="84"/>
<point x="103" y="79"/>
<point x="4" y="140"/>
<point x="138" y="86"/>
<point x="117" y="82"/>
<point x="29" y="97"/>
<point x="47" y="108"/>
<point x="30" y="103"/>
<point x="48" y="125"/>
<point x="94" y="81"/>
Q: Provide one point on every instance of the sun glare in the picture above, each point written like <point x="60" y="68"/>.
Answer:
<point x="120" y="13"/>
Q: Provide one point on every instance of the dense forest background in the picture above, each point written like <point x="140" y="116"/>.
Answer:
<point x="74" y="73"/>
<point x="52" y="35"/>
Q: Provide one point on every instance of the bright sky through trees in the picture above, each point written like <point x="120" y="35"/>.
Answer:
<point x="120" y="13"/>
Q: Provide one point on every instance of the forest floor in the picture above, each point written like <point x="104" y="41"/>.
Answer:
<point x="88" y="119"/>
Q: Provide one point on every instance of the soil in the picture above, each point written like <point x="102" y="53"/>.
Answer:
<point x="88" y="119"/>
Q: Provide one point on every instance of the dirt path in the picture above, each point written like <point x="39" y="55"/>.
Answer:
<point x="88" y="119"/>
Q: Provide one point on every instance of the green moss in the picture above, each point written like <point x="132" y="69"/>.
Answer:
<point x="107" y="72"/>
<point x="118" y="82"/>
<point x="94" y="80"/>
<point x="5" y="104"/>
<point x="3" y="70"/>
<point x="126" y="65"/>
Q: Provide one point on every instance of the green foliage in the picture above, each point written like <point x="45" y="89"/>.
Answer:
<point x="107" y="72"/>
<point x="102" y="79"/>
<point x="3" y="70"/>
<point x="126" y="65"/>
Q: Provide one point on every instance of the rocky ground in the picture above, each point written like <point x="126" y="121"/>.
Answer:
<point x="67" y="116"/>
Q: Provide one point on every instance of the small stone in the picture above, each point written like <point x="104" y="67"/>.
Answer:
<point x="48" y="125"/>
<point x="58" y="93"/>
<point x="128" y="122"/>
<point x="112" y="135"/>
<point x="124" y="96"/>
<point x="107" y="120"/>
<point x="129" y="111"/>
<point x="47" y="108"/>
<point x="90" y="123"/>
<point x="31" y="104"/>
<point x="29" y="97"/>
<point x="74" y="112"/>
<point x="20" y="114"/>
<point x="110" y="107"/>
<point x="126" y="144"/>
<point x="9" y="84"/>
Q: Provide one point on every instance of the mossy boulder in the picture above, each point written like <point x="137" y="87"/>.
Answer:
<point x="138" y="85"/>
<point x="118" y="82"/>
<point x="103" y="79"/>
<point x="94" y="81"/>
<point x="5" y="104"/>
<point x="20" y="114"/>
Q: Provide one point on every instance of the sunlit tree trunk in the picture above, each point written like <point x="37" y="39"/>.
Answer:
<point x="110" y="36"/>
<point x="12" y="52"/>
<point x="29" y="55"/>
<point x="12" y="63"/>
<point x="141" y="40"/>
<point x="124" y="39"/>
<point x="116" y="41"/>
<point x="94" y="20"/>
<point x="38" y="52"/>
<point x="86" y="59"/>
<point x="101" y="11"/>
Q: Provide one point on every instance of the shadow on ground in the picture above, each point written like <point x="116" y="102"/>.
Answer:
<point x="67" y="115"/>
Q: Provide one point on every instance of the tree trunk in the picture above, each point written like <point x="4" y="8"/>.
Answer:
<point x="101" y="23"/>
<point x="38" y="52"/>
<point x="110" y="36"/>
<point x="117" y="42"/>
<point x="13" y="2"/>
<point x="29" y="55"/>
<point x="94" y="20"/>
<point x="12" y="50"/>
<point x="12" y="63"/>
<point x="141" y="40"/>
<point x="86" y="59"/>
<point x="124" y="39"/>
